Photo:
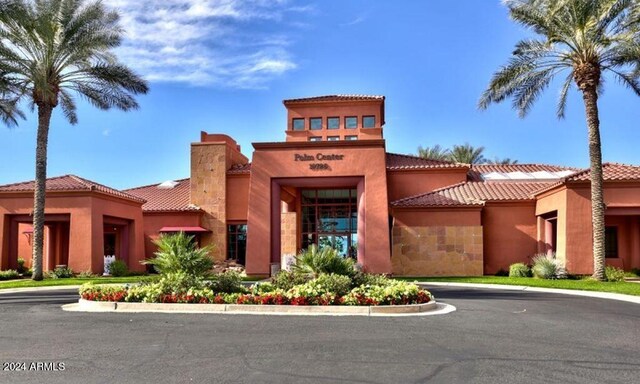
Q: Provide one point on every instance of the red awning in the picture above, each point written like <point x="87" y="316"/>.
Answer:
<point x="184" y="229"/>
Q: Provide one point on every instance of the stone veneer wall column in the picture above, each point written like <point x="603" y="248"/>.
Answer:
<point x="289" y="243"/>
<point x="437" y="251"/>
<point x="208" y="191"/>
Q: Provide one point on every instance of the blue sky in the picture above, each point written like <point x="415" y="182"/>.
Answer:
<point x="224" y="66"/>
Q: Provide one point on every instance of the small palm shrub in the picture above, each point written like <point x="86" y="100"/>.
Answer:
<point x="519" y="270"/>
<point x="61" y="273"/>
<point x="544" y="267"/>
<point x="118" y="268"/>
<point x="9" y="274"/>
<point x="227" y="282"/>
<point x="314" y="261"/>
<point x="179" y="253"/>
<point x="21" y="269"/>
<point x="286" y="280"/>
<point x="613" y="274"/>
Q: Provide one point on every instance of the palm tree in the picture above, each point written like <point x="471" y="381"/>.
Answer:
<point x="467" y="154"/>
<point x="53" y="49"/>
<point x="505" y="161"/>
<point x="9" y="111"/>
<point x="587" y="39"/>
<point x="434" y="153"/>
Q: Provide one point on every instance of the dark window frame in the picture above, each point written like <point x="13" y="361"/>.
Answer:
<point x="312" y="120"/>
<point x="346" y="125"/>
<point x="233" y="236"/>
<point x="611" y="242"/>
<point x="333" y="118"/>
<point x="368" y="117"/>
<point x="293" y="124"/>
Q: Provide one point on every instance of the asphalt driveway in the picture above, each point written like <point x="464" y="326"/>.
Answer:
<point x="495" y="336"/>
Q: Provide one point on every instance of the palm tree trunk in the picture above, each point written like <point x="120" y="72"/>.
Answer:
<point x="44" y="119"/>
<point x="590" y="97"/>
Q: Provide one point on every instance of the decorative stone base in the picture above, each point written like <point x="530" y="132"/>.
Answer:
<point x="437" y="251"/>
<point x="380" y="310"/>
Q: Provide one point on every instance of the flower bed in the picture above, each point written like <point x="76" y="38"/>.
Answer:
<point x="313" y="293"/>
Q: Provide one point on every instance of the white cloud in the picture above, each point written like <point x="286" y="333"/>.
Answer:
<point x="229" y="43"/>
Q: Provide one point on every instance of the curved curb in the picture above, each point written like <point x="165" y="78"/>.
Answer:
<point x="573" y="292"/>
<point x="432" y="307"/>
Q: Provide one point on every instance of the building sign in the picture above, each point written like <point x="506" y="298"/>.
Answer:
<point x="319" y="161"/>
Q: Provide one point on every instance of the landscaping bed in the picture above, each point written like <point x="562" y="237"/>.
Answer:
<point x="318" y="278"/>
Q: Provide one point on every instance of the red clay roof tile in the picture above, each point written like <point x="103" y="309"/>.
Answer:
<point x="397" y="162"/>
<point x="176" y="199"/>
<point x="610" y="172"/>
<point x="69" y="183"/>
<point x="240" y="169"/>
<point x="334" y="98"/>
<point x="473" y="194"/>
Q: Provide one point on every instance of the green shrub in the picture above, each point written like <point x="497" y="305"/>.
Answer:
<point x="260" y="288"/>
<point x="339" y="285"/>
<point x="9" y="274"/>
<point x="61" y="273"/>
<point x="118" y="268"/>
<point x="360" y="278"/>
<point x="613" y="274"/>
<point x="227" y="282"/>
<point x="286" y="280"/>
<point x="314" y="261"/>
<point x="544" y="267"/>
<point x="179" y="253"/>
<point x="394" y="293"/>
<point x="86" y="275"/>
<point x="21" y="269"/>
<point x="519" y="270"/>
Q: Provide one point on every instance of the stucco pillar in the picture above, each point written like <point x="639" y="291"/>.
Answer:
<point x="276" y="231"/>
<point x="635" y="242"/>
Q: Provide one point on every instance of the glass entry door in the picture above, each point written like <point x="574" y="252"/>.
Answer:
<point x="330" y="219"/>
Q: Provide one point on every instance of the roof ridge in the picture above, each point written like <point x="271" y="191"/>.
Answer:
<point x="423" y="158"/>
<point x="526" y="164"/>
<point x="155" y="184"/>
<point x="86" y="182"/>
<point x="431" y="192"/>
<point x="32" y="181"/>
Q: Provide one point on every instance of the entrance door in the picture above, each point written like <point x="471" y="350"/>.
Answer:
<point x="109" y="244"/>
<point x="330" y="219"/>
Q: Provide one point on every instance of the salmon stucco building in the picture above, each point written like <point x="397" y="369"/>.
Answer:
<point x="331" y="182"/>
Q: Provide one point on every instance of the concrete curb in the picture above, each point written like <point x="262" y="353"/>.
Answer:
<point x="594" y="294"/>
<point x="38" y="289"/>
<point x="383" y="310"/>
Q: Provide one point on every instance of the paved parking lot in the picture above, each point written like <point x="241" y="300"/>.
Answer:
<point x="495" y="336"/>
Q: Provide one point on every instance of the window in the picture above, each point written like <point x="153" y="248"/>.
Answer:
<point x="368" y="122"/>
<point x="237" y="242"/>
<point x="351" y="122"/>
<point x="351" y="138"/>
<point x="330" y="219"/>
<point x="298" y="124"/>
<point x="611" y="242"/>
<point x="315" y="138"/>
<point x="316" y="122"/>
<point x="333" y="123"/>
<point x="333" y="138"/>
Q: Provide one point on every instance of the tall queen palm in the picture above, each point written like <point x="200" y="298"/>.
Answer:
<point x="51" y="51"/>
<point x="585" y="39"/>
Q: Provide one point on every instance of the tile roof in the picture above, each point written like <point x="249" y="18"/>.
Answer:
<point x="70" y="183"/>
<point x="610" y="172"/>
<point x="175" y="199"/>
<point x="240" y="169"/>
<point x="473" y="194"/>
<point x="397" y="161"/>
<point x="476" y="171"/>
<point x="335" y="98"/>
